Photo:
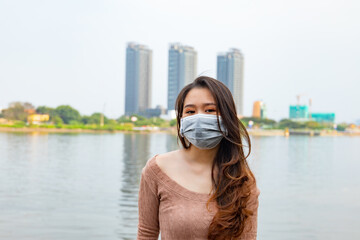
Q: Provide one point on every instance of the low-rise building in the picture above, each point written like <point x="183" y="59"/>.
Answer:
<point x="259" y="109"/>
<point x="38" y="118"/>
<point x="323" y="117"/>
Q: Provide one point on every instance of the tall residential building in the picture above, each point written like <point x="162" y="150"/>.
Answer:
<point x="230" y="71"/>
<point x="182" y="70"/>
<point x="138" y="79"/>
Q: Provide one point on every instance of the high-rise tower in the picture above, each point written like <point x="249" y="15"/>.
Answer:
<point x="138" y="79"/>
<point x="182" y="70"/>
<point x="230" y="71"/>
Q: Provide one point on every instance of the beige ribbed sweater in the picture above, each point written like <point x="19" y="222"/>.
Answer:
<point x="180" y="214"/>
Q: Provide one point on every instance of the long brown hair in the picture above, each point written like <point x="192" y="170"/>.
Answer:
<point x="234" y="178"/>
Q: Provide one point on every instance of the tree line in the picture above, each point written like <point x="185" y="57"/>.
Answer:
<point x="67" y="115"/>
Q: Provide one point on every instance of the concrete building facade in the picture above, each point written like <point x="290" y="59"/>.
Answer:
<point x="230" y="71"/>
<point x="138" y="83"/>
<point x="259" y="110"/>
<point x="182" y="70"/>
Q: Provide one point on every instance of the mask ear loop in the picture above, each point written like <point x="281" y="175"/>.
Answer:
<point x="187" y="143"/>
<point x="225" y="132"/>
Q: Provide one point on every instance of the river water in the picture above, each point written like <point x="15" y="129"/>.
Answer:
<point x="85" y="186"/>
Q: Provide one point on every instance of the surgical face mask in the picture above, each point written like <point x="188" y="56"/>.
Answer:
<point x="202" y="130"/>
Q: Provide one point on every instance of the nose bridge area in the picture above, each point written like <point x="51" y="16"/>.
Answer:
<point x="201" y="110"/>
<point x="198" y="123"/>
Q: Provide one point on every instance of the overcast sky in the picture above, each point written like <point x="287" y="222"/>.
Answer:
<point x="73" y="52"/>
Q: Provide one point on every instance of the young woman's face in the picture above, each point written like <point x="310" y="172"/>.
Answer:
<point x="199" y="100"/>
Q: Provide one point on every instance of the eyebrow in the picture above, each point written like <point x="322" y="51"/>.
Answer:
<point x="193" y="105"/>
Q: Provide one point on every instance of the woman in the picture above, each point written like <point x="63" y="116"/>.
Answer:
<point x="205" y="190"/>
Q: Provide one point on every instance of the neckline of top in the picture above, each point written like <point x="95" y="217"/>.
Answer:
<point x="173" y="185"/>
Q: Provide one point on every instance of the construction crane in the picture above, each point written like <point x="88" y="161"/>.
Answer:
<point x="299" y="96"/>
<point x="310" y="102"/>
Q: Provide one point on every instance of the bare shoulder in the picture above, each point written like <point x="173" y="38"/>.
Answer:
<point x="167" y="160"/>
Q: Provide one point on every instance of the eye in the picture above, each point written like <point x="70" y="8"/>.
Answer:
<point x="190" y="111"/>
<point x="210" y="110"/>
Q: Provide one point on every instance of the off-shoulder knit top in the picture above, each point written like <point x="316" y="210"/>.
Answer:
<point x="178" y="213"/>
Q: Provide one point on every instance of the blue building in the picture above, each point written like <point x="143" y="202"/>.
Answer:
<point x="138" y="79"/>
<point x="323" y="117"/>
<point x="182" y="70"/>
<point x="230" y="71"/>
<point x="299" y="112"/>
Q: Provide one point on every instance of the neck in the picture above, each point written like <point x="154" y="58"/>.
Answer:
<point x="199" y="156"/>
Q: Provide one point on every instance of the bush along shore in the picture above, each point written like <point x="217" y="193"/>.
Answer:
<point x="24" y="117"/>
<point x="171" y="130"/>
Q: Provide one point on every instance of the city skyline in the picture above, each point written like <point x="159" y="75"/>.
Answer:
<point x="182" y="68"/>
<point x="290" y="48"/>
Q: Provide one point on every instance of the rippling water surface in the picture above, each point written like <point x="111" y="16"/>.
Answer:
<point x="85" y="186"/>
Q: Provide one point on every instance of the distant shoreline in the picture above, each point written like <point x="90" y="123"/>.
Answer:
<point x="252" y="132"/>
<point x="280" y="132"/>
<point x="68" y="130"/>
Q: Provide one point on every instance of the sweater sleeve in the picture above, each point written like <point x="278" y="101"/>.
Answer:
<point x="250" y="229"/>
<point x="148" y="203"/>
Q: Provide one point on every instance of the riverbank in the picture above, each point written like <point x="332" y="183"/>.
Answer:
<point x="54" y="130"/>
<point x="252" y="132"/>
<point x="304" y="132"/>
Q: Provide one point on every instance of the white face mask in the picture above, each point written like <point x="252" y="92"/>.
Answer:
<point x="202" y="130"/>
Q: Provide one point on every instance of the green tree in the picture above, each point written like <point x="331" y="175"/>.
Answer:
<point x="314" y="125"/>
<point x="173" y="122"/>
<point x="112" y="122"/>
<point x="57" y="120"/>
<point x="258" y="121"/>
<point x="51" y="111"/>
<point x="46" y="110"/>
<point x="28" y="105"/>
<point x="16" y="111"/>
<point x="124" y="119"/>
<point x="156" y="121"/>
<point x="67" y="113"/>
<point x="75" y="123"/>
<point x="85" y="119"/>
<point x="94" y="119"/>
<point x="287" y="123"/>
<point x="341" y="127"/>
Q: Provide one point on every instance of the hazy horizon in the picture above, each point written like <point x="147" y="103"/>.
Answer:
<point x="54" y="53"/>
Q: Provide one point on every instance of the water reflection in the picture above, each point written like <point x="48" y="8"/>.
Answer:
<point x="138" y="148"/>
<point x="172" y="143"/>
<point x="136" y="152"/>
<point x="85" y="186"/>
